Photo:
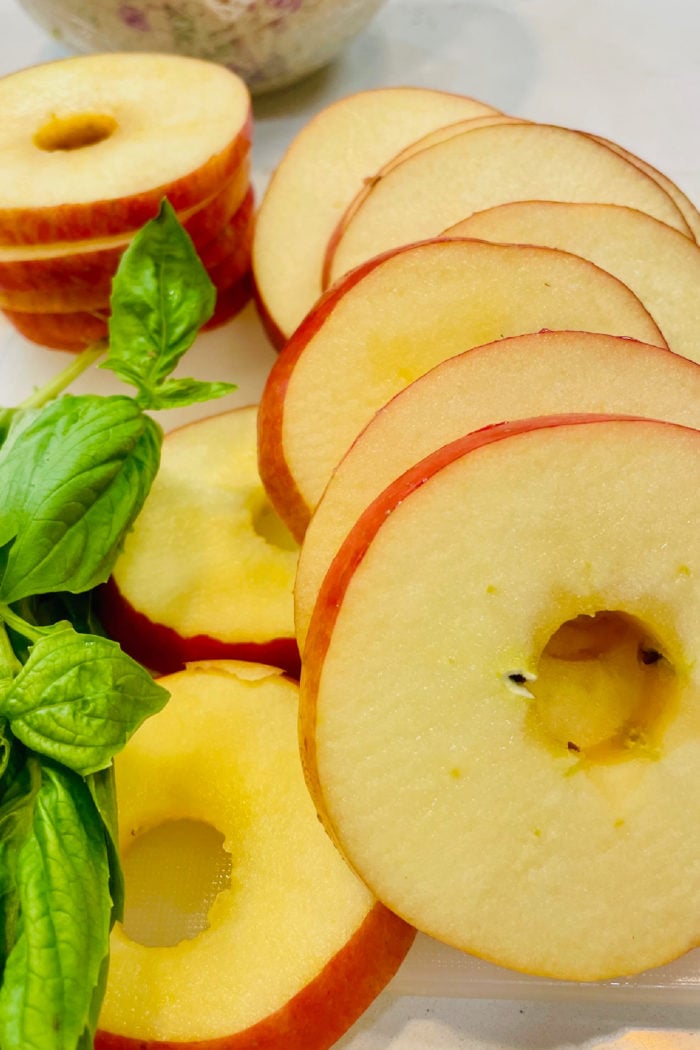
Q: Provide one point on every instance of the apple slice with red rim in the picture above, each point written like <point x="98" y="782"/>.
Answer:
<point x="208" y="569"/>
<point x="524" y="783"/>
<point x="396" y="317"/>
<point x="659" y="264"/>
<point x="212" y="804"/>
<point x="91" y="144"/>
<point x="477" y="169"/>
<point x="322" y="170"/>
<point x="527" y="375"/>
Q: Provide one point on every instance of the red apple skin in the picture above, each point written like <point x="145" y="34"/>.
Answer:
<point x="325" y="1009"/>
<point x="105" y="218"/>
<point x="165" y="651"/>
<point x="230" y="301"/>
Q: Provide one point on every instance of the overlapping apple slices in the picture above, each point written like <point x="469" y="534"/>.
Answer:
<point x="500" y="701"/>
<point x="294" y="946"/>
<point x="396" y="317"/>
<point x="92" y="145"/>
<point x="208" y="569"/>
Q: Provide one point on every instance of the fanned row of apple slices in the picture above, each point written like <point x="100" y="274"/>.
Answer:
<point x="92" y="145"/>
<point x="485" y="435"/>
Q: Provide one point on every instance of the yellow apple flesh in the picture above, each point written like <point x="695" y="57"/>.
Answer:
<point x="395" y="318"/>
<point x="295" y="947"/>
<point x="528" y="375"/>
<point x="523" y="783"/>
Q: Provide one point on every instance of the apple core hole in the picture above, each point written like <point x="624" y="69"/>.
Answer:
<point x="604" y="689"/>
<point x="271" y="528"/>
<point x="173" y="873"/>
<point x="74" y="132"/>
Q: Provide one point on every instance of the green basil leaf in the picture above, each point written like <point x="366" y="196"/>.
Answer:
<point x="6" y="417"/>
<point x="102" y="787"/>
<point x="46" y="1000"/>
<point x="19" y="785"/>
<point x="177" y="393"/>
<point x="73" y="476"/>
<point x="79" y="698"/>
<point x="161" y="296"/>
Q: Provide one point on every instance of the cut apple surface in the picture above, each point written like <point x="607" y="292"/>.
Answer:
<point x="208" y="569"/>
<point x="524" y="783"/>
<point x="323" y="169"/>
<point x="91" y="144"/>
<point x="293" y="947"/>
<point x="528" y="375"/>
<point x="659" y="264"/>
<point x="398" y="316"/>
<point x="478" y="169"/>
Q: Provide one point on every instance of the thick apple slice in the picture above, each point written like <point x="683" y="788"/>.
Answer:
<point x="323" y="169"/>
<point x="524" y="783"/>
<point x="208" y="569"/>
<point x="492" y="165"/>
<point x="74" y="265"/>
<point x="527" y="375"/>
<point x="659" y="264"/>
<point x="395" y="318"/>
<point x="92" y="144"/>
<point x="296" y="947"/>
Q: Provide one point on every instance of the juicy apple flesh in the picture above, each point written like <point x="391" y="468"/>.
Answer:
<point x="485" y="167"/>
<point x="391" y="321"/>
<point x="319" y="176"/>
<point x="659" y="264"/>
<point x="529" y="375"/>
<point x="524" y="783"/>
<point x="208" y="568"/>
<point x="281" y="945"/>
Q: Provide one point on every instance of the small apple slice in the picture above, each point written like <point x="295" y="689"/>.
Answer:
<point x="528" y="375"/>
<point x="492" y="165"/>
<point x="395" y="318"/>
<point x="524" y="783"/>
<point x="208" y="569"/>
<point x="294" y="947"/>
<point x="91" y="144"/>
<point x="80" y="265"/>
<point x="659" y="264"/>
<point x="322" y="170"/>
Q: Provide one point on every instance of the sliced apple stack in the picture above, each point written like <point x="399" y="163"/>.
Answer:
<point x="92" y="145"/>
<point x="208" y="569"/>
<point x="293" y="947"/>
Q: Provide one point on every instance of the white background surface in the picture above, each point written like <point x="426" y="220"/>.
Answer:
<point x="625" y="69"/>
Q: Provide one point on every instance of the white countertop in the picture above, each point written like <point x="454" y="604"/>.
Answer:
<point x="626" y="69"/>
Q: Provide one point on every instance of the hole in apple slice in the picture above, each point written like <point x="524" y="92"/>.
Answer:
<point x="173" y="874"/>
<point x="75" y="132"/>
<point x="604" y="689"/>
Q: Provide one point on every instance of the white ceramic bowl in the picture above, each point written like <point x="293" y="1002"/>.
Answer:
<point x="270" y="43"/>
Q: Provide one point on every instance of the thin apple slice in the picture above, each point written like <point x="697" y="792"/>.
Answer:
<point x="73" y="265"/>
<point x="659" y="264"/>
<point x="294" y="947"/>
<point x="395" y="318"/>
<point x="208" y="569"/>
<point x="492" y="165"/>
<point x="524" y="783"/>
<point x="324" y="167"/>
<point x="91" y="144"/>
<point x="528" y="375"/>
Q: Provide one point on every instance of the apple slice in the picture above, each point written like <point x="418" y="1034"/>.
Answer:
<point x="395" y="318"/>
<point x="492" y="165"/>
<point x="74" y="265"/>
<point x="318" y="177"/>
<point x="528" y="375"/>
<point x="92" y="144"/>
<point x="524" y="783"/>
<point x="294" y="947"/>
<point x="659" y="264"/>
<point x="208" y="569"/>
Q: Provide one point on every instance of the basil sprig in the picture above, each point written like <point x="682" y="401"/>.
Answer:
<point x="74" y="473"/>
